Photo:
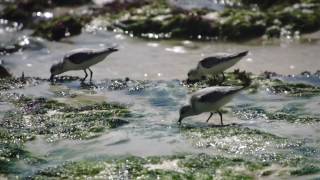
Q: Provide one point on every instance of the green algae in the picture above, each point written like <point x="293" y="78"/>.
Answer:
<point x="237" y="24"/>
<point x="13" y="13"/>
<point x="72" y="170"/>
<point x="296" y="90"/>
<point x="239" y="140"/>
<point x="60" y="27"/>
<point x="306" y="170"/>
<point x="160" y="20"/>
<point x="183" y="167"/>
<point x="12" y="151"/>
<point x="264" y="149"/>
<point x="58" y="120"/>
<point x="292" y="113"/>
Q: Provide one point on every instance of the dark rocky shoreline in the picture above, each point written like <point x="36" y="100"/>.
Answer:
<point x="159" y="19"/>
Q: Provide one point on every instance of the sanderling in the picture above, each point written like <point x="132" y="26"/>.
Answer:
<point x="208" y="100"/>
<point x="214" y="65"/>
<point x="80" y="59"/>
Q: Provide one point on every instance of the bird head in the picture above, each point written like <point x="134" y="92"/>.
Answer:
<point x="55" y="70"/>
<point x="185" y="111"/>
<point x="193" y="74"/>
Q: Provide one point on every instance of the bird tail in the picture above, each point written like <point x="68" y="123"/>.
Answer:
<point x="241" y="54"/>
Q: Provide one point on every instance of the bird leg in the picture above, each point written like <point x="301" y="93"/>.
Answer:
<point x="220" y="114"/>
<point x="209" y="116"/>
<point x="85" y="77"/>
<point x="90" y="74"/>
<point x="223" y="77"/>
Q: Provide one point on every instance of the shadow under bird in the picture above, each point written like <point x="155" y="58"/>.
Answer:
<point x="215" y="65"/>
<point x="80" y="59"/>
<point x="209" y="99"/>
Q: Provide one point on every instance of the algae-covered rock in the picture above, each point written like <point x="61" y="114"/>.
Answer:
<point x="241" y="24"/>
<point x="306" y="170"/>
<point x="238" y="140"/>
<point x="184" y="166"/>
<point x="301" y="17"/>
<point x="269" y="3"/>
<point x="200" y="166"/>
<point x="60" y="27"/>
<point x="292" y="89"/>
<point x="58" y="120"/>
<point x="10" y="83"/>
<point x="70" y="2"/>
<point x="164" y="21"/>
<point x="12" y="151"/>
<point x="291" y="113"/>
<point x="13" y="13"/>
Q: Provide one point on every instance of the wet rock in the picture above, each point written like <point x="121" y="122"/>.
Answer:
<point x="60" y="27"/>
<point x="8" y="49"/>
<point x="317" y="73"/>
<point x="306" y="73"/>
<point x="160" y="20"/>
<point x="13" y="13"/>
<point x="4" y="73"/>
<point x="121" y="5"/>
<point x="269" y="3"/>
<point x="21" y="11"/>
<point x="273" y="31"/>
<point x="70" y="2"/>
<point x="301" y="17"/>
<point x="289" y="89"/>
<point x="242" y="24"/>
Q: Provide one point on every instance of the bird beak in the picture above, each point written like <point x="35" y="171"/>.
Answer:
<point x="179" y="121"/>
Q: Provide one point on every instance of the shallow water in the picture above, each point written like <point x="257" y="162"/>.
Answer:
<point x="162" y="60"/>
<point x="158" y="100"/>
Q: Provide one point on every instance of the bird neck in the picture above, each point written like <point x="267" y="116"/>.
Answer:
<point x="62" y="67"/>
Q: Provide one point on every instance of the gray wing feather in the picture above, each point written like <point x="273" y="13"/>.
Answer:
<point x="212" y="97"/>
<point x="210" y="62"/>
<point x="218" y="94"/>
<point x="214" y="60"/>
<point x="80" y="57"/>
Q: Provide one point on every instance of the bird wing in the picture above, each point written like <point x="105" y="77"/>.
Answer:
<point x="80" y="57"/>
<point x="213" y="94"/>
<point x="217" y="59"/>
<point x="210" y="62"/>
